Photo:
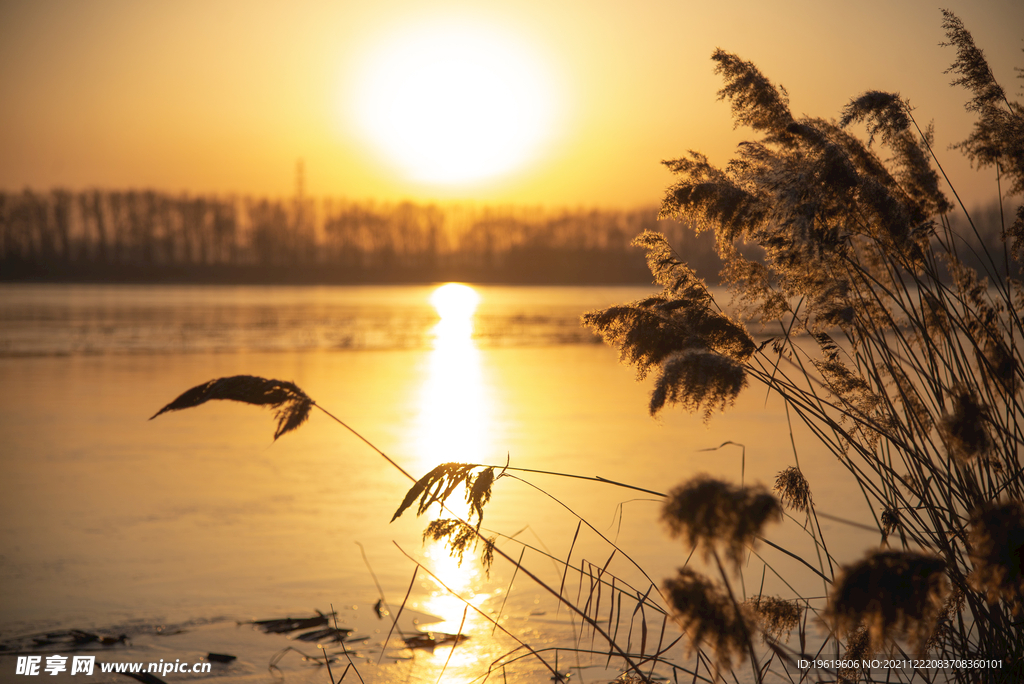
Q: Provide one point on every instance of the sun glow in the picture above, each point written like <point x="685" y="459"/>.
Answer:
<point x="454" y="102"/>
<point x="454" y="425"/>
<point x="455" y="302"/>
<point x="459" y="615"/>
<point x="454" y="408"/>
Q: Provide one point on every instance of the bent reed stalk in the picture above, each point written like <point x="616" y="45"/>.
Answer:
<point x="293" y="405"/>
<point x="902" y="363"/>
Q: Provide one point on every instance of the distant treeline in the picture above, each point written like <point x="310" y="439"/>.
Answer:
<point x="147" y="236"/>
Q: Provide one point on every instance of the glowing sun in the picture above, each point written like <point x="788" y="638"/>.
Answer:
<point x="453" y="102"/>
<point x="455" y="301"/>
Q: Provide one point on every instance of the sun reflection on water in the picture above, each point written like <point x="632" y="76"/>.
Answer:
<point x="454" y="425"/>
<point x="454" y="407"/>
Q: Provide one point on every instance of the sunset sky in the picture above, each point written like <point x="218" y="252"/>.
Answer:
<point x="560" y="103"/>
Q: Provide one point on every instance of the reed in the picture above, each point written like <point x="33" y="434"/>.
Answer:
<point x="901" y="360"/>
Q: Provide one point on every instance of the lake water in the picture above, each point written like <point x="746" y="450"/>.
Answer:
<point x="198" y="519"/>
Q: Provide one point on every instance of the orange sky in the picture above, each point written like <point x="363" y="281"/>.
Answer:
<point x="225" y="97"/>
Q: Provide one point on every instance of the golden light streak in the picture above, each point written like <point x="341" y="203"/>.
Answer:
<point x="455" y="415"/>
<point x="454" y="407"/>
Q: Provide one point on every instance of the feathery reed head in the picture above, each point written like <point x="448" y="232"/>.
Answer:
<point x="776" y="617"/>
<point x="756" y="101"/>
<point x="709" y="513"/>
<point x="964" y="428"/>
<point x="999" y="365"/>
<point x="710" y="199"/>
<point x="952" y="608"/>
<point x="892" y="593"/>
<point x="668" y="270"/>
<point x="291" y="403"/>
<point x="1015" y="236"/>
<point x="998" y="136"/>
<point x="793" y="489"/>
<point x="699" y="350"/>
<point x="437" y="485"/>
<point x="846" y="385"/>
<point x="698" y="380"/>
<point x="459" y="538"/>
<point x="997" y="551"/>
<point x="890" y="519"/>
<point x="884" y="113"/>
<point x="971" y="67"/>
<point x="708" y="616"/>
<point x="857" y="645"/>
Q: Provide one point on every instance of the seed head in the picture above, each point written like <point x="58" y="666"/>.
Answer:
<point x="776" y="617"/>
<point x="856" y="648"/>
<point x="793" y="489"/>
<point x="964" y="429"/>
<point x="708" y="616"/>
<point x="709" y="513"/>
<point x="892" y="593"/>
<point x="890" y="520"/>
<point x="997" y="551"/>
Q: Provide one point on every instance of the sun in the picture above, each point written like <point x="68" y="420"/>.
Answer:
<point x="453" y="101"/>
<point x="455" y="301"/>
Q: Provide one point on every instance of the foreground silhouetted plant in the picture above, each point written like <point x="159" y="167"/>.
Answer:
<point x="901" y="361"/>
<point x="890" y="593"/>
<point x="711" y="516"/>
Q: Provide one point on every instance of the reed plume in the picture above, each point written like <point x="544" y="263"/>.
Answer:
<point x="459" y="538"/>
<point x="945" y="630"/>
<point x="965" y="429"/>
<point x="776" y="617"/>
<point x="708" y="616"/>
<point x="892" y="594"/>
<point x="858" y="645"/>
<point x="709" y="514"/>
<point x="793" y="490"/>
<point x="291" y="404"/>
<point x="997" y="552"/>
<point x="890" y="520"/>
<point x="998" y="136"/>
<point x="441" y="482"/>
<point x="698" y="350"/>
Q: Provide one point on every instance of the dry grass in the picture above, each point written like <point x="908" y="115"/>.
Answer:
<point x="902" y="361"/>
<point x="709" y="616"/>
<point x="291" y="404"/>
<point x="891" y="593"/>
<point x="710" y="515"/>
